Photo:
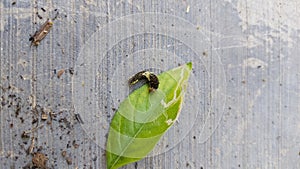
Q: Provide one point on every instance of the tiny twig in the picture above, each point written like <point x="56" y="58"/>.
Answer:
<point x="78" y="118"/>
<point x="31" y="147"/>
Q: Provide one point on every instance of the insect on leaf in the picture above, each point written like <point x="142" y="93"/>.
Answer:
<point x="143" y="118"/>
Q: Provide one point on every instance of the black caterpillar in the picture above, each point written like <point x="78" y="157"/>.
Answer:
<point x="150" y="77"/>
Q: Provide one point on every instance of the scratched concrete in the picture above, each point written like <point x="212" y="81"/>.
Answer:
<point x="241" y="109"/>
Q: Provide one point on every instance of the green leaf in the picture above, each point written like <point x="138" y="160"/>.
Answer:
<point x="143" y="117"/>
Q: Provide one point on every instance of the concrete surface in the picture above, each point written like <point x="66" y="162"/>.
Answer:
<point x="242" y="105"/>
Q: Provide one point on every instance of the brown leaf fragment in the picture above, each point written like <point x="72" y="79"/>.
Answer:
<point x="60" y="73"/>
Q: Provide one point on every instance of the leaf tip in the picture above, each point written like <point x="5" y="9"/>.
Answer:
<point x="189" y="65"/>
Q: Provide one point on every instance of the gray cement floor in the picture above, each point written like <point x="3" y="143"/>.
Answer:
<point x="241" y="109"/>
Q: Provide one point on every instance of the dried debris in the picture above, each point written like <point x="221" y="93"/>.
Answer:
<point x="78" y="118"/>
<point x="64" y="154"/>
<point x="25" y="135"/>
<point x="66" y="157"/>
<point x="75" y="145"/>
<point x="44" y="116"/>
<point x="45" y="113"/>
<point x="60" y="73"/>
<point x="40" y="34"/>
<point x="31" y="147"/>
<point x="39" y="160"/>
<point x="69" y="160"/>
<point x="71" y="71"/>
